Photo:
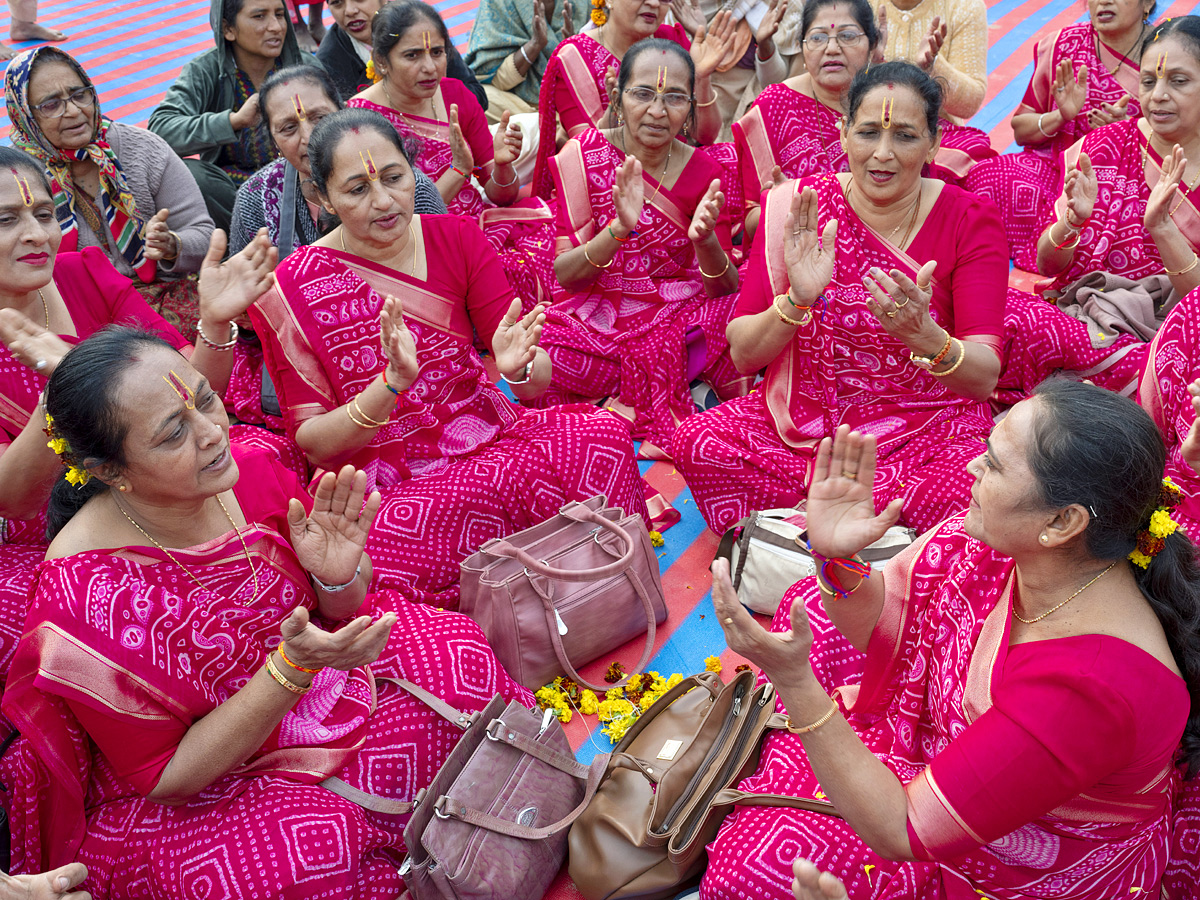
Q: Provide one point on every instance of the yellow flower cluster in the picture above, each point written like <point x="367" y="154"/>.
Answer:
<point x="76" y="475"/>
<point x="712" y="664"/>
<point x="371" y="71"/>
<point x="620" y="707"/>
<point x="1138" y="558"/>
<point x="1161" y="524"/>
<point x="656" y="539"/>
<point x="599" y="14"/>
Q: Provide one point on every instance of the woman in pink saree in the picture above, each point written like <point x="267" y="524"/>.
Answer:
<point x="453" y="144"/>
<point x="1032" y="753"/>
<point x="795" y="125"/>
<point x="205" y="680"/>
<point x="646" y="281"/>
<point x="900" y="338"/>
<point x="48" y="302"/>
<point x="456" y="461"/>
<point x="1084" y="76"/>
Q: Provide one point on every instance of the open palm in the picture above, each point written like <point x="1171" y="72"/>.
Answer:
<point x="841" y="503"/>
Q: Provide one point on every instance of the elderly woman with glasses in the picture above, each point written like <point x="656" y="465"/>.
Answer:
<point x="115" y="187"/>
<point x="645" y="280"/>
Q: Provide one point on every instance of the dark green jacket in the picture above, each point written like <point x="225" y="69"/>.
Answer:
<point x="194" y="115"/>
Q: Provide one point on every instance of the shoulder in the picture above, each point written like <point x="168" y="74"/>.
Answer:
<point x="269" y="177"/>
<point x="449" y="228"/>
<point x="139" y="140"/>
<point x="86" y="268"/>
<point x="962" y="10"/>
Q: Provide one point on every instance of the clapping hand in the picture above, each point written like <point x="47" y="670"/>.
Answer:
<point x="901" y="304"/>
<point x="516" y="339"/>
<point x="770" y="22"/>
<point x="808" y="256"/>
<point x="841" y="503"/>
<point x="568" y="19"/>
<point x="629" y="193"/>
<point x="1162" y="195"/>
<point x="711" y="43"/>
<point x="399" y="346"/>
<point x="1080" y="188"/>
<point x="541" y="33"/>
<point x="329" y="541"/>
<point x="705" y="218"/>
<point x="1070" y="89"/>
<point x="160" y="243"/>
<point x="357" y="643"/>
<point x="461" y="156"/>
<point x="31" y="344"/>
<point x="54" y="885"/>
<point x="688" y="14"/>
<point x="506" y="143"/>
<point x="882" y="27"/>
<point x="228" y="288"/>
<point x="1109" y="113"/>
<point x="246" y="115"/>
<point x="931" y="44"/>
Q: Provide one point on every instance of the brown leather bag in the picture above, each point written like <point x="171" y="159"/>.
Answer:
<point x="669" y="783"/>
<point x="565" y="592"/>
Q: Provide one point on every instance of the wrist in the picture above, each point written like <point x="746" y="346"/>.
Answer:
<point x="394" y="382"/>
<point x="766" y="49"/>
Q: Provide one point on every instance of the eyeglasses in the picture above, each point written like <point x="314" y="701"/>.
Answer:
<point x="56" y="107"/>
<point x="820" y="40"/>
<point x="644" y="96"/>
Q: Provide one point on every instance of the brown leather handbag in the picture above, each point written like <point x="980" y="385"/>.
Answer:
<point x="669" y="784"/>
<point x="558" y="595"/>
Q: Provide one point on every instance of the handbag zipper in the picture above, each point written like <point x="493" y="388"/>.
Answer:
<point x="738" y="693"/>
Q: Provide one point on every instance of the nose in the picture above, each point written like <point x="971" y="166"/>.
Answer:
<point x="209" y="428"/>
<point x="975" y="467"/>
<point x="35" y="232"/>
<point x="883" y="148"/>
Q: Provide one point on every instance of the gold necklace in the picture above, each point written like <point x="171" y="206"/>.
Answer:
<point x="912" y="220"/>
<point x="1123" y="56"/>
<point x="412" y="242"/>
<point x="392" y="104"/>
<point x="1065" y="602"/>
<point x="45" y="308"/>
<point x="666" y="166"/>
<point x="171" y="556"/>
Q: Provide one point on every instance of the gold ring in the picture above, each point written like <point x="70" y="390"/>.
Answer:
<point x="891" y="315"/>
<point x="907" y="300"/>
<point x="850" y="475"/>
<point x="729" y="621"/>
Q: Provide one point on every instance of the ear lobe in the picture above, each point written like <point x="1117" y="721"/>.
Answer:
<point x="1068" y="524"/>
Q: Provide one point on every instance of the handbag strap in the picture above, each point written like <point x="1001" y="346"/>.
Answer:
<point x="576" y="512"/>
<point x="730" y="797"/>
<point x="367" y="801"/>
<point x="437" y="704"/>
<point x="647" y="651"/>
<point x="449" y="808"/>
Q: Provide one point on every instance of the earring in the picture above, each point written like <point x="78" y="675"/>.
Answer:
<point x="1045" y="538"/>
<point x="122" y="488"/>
<point x="620" y="119"/>
<point x="685" y="129"/>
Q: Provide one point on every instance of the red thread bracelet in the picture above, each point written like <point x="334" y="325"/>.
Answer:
<point x="293" y="665"/>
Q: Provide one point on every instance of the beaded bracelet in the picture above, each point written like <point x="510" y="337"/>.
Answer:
<point x="1195" y="262"/>
<point x="722" y="272"/>
<point x="595" y="265"/>
<point x="466" y="175"/>
<point x="213" y="345"/>
<point x="962" y="354"/>
<point x="296" y="666"/>
<point x="383" y="375"/>
<point x="283" y="680"/>
<point x="815" y="725"/>
<point x="619" y="240"/>
<point x="834" y="586"/>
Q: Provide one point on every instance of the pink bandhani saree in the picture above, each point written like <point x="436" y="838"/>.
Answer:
<point x="521" y="234"/>
<point x="457" y="463"/>
<point x="124" y="652"/>
<point x="95" y="294"/>
<point x="647" y="326"/>
<point x="1024" y="185"/>
<point x="1040" y="770"/>
<point x="756" y="452"/>
<point x="802" y="136"/>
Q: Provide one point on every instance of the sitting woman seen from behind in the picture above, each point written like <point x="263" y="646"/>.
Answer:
<point x="196" y="658"/>
<point x="875" y="299"/>
<point x="116" y="187"/>
<point x="646" y="283"/>
<point x="399" y="389"/>
<point x="1035" y="753"/>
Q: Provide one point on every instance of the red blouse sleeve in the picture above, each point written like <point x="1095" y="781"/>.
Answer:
<point x="140" y="759"/>
<point x="756" y="293"/>
<point x="97" y="295"/>
<point x="486" y="286"/>
<point x="1060" y="724"/>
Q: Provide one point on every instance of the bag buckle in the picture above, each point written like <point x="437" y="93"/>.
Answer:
<point x="440" y="806"/>
<point x="495" y="730"/>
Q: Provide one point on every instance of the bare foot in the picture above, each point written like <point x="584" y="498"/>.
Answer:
<point x="810" y="883"/>
<point x="32" y="31"/>
<point x="6" y="52"/>
<point x="303" y="38"/>
<point x="317" y="30"/>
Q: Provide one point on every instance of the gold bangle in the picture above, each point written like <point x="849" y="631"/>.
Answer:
<point x="595" y="265"/>
<point x="790" y="321"/>
<point x="807" y="729"/>
<point x="364" y="425"/>
<point x="1195" y="262"/>
<point x="719" y="274"/>
<point x="962" y="354"/>
<point x="283" y="680"/>
<point x="358" y="409"/>
<point x="700" y="105"/>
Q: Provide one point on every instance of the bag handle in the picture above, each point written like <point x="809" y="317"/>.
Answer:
<point x="372" y="802"/>
<point x="448" y="808"/>
<point x="437" y="704"/>
<point x="730" y="797"/>
<point x="651" y="630"/>
<point x="577" y="513"/>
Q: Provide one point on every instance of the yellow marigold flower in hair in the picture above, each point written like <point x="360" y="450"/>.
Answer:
<point x="58" y="445"/>
<point x="371" y="71"/>
<point x="1161" y="524"/>
<point x="77" y="476"/>
<point x="1138" y="558"/>
<point x="712" y="664"/>
<point x="599" y="17"/>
